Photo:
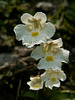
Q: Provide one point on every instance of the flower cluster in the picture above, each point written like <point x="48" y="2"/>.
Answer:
<point x="50" y="53"/>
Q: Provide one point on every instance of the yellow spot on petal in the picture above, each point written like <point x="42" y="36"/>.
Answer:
<point x="36" y="86"/>
<point x="30" y="42"/>
<point x="34" y="34"/>
<point x="53" y="79"/>
<point x="49" y="58"/>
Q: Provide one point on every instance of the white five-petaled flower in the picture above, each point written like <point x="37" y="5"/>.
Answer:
<point x="51" y="54"/>
<point x="34" y="29"/>
<point x="35" y="83"/>
<point x="51" y="78"/>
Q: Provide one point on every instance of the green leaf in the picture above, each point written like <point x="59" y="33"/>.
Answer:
<point x="36" y="95"/>
<point x="31" y="94"/>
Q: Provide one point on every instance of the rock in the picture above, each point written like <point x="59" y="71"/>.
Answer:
<point x="7" y="58"/>
<point x="45" y="6"/>
<point x="23" y="51"/>
<point x="13" y="57"/>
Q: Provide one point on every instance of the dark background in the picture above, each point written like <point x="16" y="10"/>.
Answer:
<point x="16" y="65"/>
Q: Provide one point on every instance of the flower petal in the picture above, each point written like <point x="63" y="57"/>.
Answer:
<point x="41" y="38"/>
<point x="35" y="83"/>
<point x="27" y="40"/>
<point x="38" y="39"/>
<point x="20" y="31"/>
<point x="25" y="17"/>
<point x="29" y="82"/>
<point x="31" y="41"/>
<point x="49" y="30"/>
<point x="40" y="15"/>
<point x="43" y="64"/>
<point x="50" y="84"/>
<point x="44" y="76"/>
<point x="37" y="53"/>
<point x="57" y="84"/>
<point x="63" y="55"/>
<point x="38" y="88"/>
<point x="62" y="75"/>
<point x="58" y="42"/>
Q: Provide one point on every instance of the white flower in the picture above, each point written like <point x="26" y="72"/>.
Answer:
<point x="51" y="78"/>
<point x="34" y="29"/>
<point x="35" y="83"/>
<point x="51" y="54"/>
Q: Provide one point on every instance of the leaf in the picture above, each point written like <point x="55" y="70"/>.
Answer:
<point x="36" y="95"/>
<point x="31" y="94"/>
